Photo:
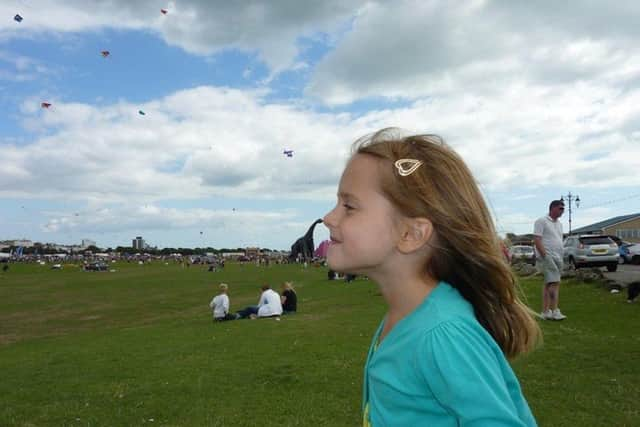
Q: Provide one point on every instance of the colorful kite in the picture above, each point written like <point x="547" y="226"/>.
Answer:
<point x="17" y="18"/>
<point x="164" y="11"/>
<point x="105" y="53"/>
<point x="288" y="153"/>
<point x="142" y="113"/>
<point x="45" y="104"/>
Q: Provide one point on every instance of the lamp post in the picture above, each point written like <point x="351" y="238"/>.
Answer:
<point x="571" y="198"/>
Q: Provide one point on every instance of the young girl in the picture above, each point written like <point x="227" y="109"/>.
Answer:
<point x="411" y="217"/>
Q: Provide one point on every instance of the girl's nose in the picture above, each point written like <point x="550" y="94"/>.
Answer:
<point x="329" y="218"/>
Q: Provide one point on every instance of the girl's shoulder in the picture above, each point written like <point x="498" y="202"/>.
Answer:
<point x="444" y="304"/>
<point x="447" y="316"/>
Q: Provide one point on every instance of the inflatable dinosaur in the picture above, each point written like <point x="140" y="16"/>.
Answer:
<point x="304" y="247"/>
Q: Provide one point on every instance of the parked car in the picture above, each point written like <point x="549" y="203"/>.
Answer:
<point x="616" y="239"/>
<point x="591" y="251"/>
<point x="522" y="253"/>
<point x="630" y="253"/>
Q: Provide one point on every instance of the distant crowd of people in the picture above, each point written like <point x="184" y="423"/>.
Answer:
<point x="270" y="304"/>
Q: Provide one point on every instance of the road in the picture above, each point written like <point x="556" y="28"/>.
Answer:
<point x="626" y="273"/>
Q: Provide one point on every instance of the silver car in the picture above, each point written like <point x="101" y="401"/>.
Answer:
<point x="521" y="253"/>
<point x="630" y="253"/>
<point x="591" y="251"/>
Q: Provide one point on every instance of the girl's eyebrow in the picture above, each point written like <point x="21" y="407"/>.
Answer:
<point x="344" y="195"/>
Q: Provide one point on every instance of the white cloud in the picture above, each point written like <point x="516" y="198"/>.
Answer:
<point x="412" y="49"/>
<point x="116" y="224"/>
<point x="194" y="143"/>
<point x="269" y="29"/>
<point x="21" y="68"/>
<point x="152" y="217"/>
<point x="212" y="141"/>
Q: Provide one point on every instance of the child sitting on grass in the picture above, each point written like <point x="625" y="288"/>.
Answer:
<point x="220" y="305"/>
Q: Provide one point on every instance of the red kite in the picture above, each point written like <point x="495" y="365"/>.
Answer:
<point x="45" y="105"/>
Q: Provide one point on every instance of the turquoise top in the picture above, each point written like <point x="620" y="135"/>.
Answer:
<point x="439" y="367"/>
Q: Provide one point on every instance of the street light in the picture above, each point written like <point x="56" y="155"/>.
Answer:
<point x="571" y="198"/>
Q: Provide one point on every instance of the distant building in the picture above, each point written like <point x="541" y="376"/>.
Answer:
<point x="24" y="243"/>
<point x="232" y="254"/>
<point x="626" y="227"/>
<point x="252" y="252"/>
<point x="138" y="243"/>
<point x="87" y="242"/>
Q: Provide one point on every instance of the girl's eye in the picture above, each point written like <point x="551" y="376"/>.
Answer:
<point x="348" y="207"/>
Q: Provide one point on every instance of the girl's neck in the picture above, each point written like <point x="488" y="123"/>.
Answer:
<point x="403" y="294"/>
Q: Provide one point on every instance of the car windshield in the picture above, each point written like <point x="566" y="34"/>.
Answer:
<point x="524" y="250"/>
<point x="596" y="240"/>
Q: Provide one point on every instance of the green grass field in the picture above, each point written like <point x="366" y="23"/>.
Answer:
<point x="138" y="347"/>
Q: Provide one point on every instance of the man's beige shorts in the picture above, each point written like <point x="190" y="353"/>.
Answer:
<point x="551" y="266"/>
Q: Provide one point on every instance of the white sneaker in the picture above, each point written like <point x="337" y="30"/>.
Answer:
<point x="547" y="315"/>
<point x="557" y="315"/>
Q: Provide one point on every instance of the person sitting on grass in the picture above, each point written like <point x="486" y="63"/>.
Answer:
<point x="289" y="298"/>
<point x="220" y="305"/>
<point x="269" y="305"/>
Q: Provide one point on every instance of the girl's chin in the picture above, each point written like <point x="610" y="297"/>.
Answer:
<point x="333" y="265"/>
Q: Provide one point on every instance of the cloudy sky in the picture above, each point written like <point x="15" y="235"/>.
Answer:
<point x="540" y="98"/>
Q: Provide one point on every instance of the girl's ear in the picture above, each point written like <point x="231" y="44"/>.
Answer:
<point x="416" y="233"/>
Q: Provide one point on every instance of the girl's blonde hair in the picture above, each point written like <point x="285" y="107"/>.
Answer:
<point x="288" y="285"/>
<point x="466" y="250"/>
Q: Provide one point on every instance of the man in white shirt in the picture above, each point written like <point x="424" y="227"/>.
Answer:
<point x="270" y="303"/>
<point x="549" y="255"/>
<point x="220" y="305"/>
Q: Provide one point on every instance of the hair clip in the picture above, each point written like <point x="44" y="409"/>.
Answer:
<point x="407" y="166"/>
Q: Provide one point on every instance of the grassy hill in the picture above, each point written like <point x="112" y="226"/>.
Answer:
<point x="137" y="347"/>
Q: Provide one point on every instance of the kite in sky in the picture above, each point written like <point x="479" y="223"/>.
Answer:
<point x="288" y="153"/>
<point x="105" y="53"/>
<point x="17" y="18"/>
<point x="45" y="105"/>
<point x="164" y="11"/>
<point x="142" y="113"/>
